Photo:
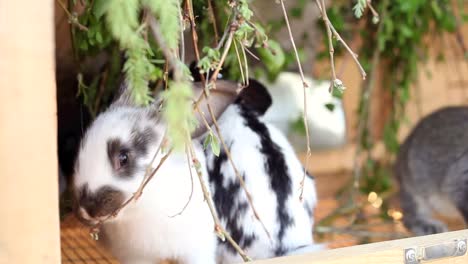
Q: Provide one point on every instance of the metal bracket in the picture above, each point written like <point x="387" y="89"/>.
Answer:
<point x="416" y="255"/>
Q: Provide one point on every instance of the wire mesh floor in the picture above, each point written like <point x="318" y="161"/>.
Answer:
<point x="78" y="247"/>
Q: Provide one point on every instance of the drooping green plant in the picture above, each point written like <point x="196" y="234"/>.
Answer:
<point x="395" y="45"/>
<point x="118" y="26"/>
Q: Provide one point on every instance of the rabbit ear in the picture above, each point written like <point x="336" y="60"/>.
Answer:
<point x="220" y="98"/>
<point x="123" y="96"/>
<point x="256" y="97"/>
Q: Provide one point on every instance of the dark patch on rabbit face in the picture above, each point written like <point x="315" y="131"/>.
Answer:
<point x="228" y="210"/>
<point x="103" y="202"/>
<point x="275" y="166"/>
<point x="123" y="157"/>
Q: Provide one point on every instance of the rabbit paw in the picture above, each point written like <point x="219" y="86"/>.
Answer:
<point x="421" y="227"/>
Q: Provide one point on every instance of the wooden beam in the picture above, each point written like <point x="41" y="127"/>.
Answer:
<point x="389" y="252"/>
<point x="29" y="222"/>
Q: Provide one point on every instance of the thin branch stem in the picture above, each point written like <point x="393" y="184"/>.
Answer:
<point x="304" y="84"/>
<point x="230" y="33"/>
<point x="72" y="18"/>
<point x="191" y="181"/>
<point x="228" y="154"/>
<point x="138" y="192"/>
<point x="211" y="14"/>
<point x="360" y="233"/>
<point x="218" y="227"/>
<point x="329" y="26"/>
<point x="373" y="11"/>
<point x="240" y="63"/>
<point x="168" y="54"/>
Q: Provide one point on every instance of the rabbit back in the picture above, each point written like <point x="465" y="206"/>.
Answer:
<point x="272" y="174"/>
<point x="432" y="172"/>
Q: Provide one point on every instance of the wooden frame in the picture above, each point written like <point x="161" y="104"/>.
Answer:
<point x="29" y="222"/>
<point x="388" y="252"/>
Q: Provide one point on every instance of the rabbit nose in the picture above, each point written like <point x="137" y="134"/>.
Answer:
<point x="97" y="205"/>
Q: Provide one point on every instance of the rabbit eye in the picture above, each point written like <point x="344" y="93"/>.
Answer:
<point x="122" y="158"/>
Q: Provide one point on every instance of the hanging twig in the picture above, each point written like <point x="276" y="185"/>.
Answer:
<point x="304" y="114"/>
<point x="218" y="227"/>
<point x="148" y="176"/>
<point x="230" y="33"/>
<point x="73" y="19"/>
<point x="191" y="181"/>
<point x="360" y="233"/>
<point x="212" y="16"/>
<point x="330" y="27"/>
<point x="373" y="11"/>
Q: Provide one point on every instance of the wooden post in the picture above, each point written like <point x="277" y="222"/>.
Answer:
<point x="29" y="218"/>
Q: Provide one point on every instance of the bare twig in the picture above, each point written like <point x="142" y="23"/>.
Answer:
<point x="236" y="172"/>
<point x="330" y="27"/>
<point x="212" y="16"/>
<point x="251" y="54"/>
<point x="246" y="65"/>
<point x="73" y="19"/>
<point x="360" y="233"/>
<point x="218" y="227"/>
<point x="240" y="63"/>
<point x="304" y="114"/>
<point x="373" y="11"/>
<point x="364" y="122"/>
<point x="182" y="39"/>
<point x="191" y="181"/>
<point x="230" y="33"/>
<point x="148" y="176"/>
<point x="168" y="54"/>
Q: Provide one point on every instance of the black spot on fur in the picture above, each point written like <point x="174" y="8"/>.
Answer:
<point x="101" y="203"/>
<point x="275" y="166"/>
<point x="255" y="97"/>
<point x="114" y="148"/>
<point x="228" y="210"/>
<point x="141" y="140"/>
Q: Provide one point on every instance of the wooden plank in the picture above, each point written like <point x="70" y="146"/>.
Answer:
<point x="389" y="252"/>
<point x="29" y="222"/>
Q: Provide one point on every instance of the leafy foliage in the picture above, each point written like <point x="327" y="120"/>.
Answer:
<point x="122" y="26"/>
<point x="398" y="40"/>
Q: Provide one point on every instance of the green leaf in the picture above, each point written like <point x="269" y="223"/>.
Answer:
<point x="215" y="146"/>
<point x="207" y="140"/>
<point x="330" y="106"/>
<point x="272" y="57"/>
<point x="100" y="8"/>
<point x="99" y="37"/>
<point x="359" y="8"/>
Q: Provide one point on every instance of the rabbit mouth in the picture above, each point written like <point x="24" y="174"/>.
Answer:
<point x="86" y="219"/>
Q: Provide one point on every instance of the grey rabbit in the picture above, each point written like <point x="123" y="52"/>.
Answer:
<point x="432" y="170"/>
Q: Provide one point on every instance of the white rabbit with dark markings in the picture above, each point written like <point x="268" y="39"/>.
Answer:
<point x="432" y="169"/>
<point x="272" y="174"/>
<point x="112" y="161"/>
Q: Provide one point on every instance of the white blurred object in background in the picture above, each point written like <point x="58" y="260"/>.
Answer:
<point x="327" y="128"/>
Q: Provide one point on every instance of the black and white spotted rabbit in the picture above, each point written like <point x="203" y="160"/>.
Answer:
<point x="112" y="160"/>
<point x="272" y="174"/>
<point x="120" y="144"/>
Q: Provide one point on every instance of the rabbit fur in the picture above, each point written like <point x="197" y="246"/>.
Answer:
<point x="272" y="174"/>
<point x="432" y="170"/>
<point x="145" y="231"/>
